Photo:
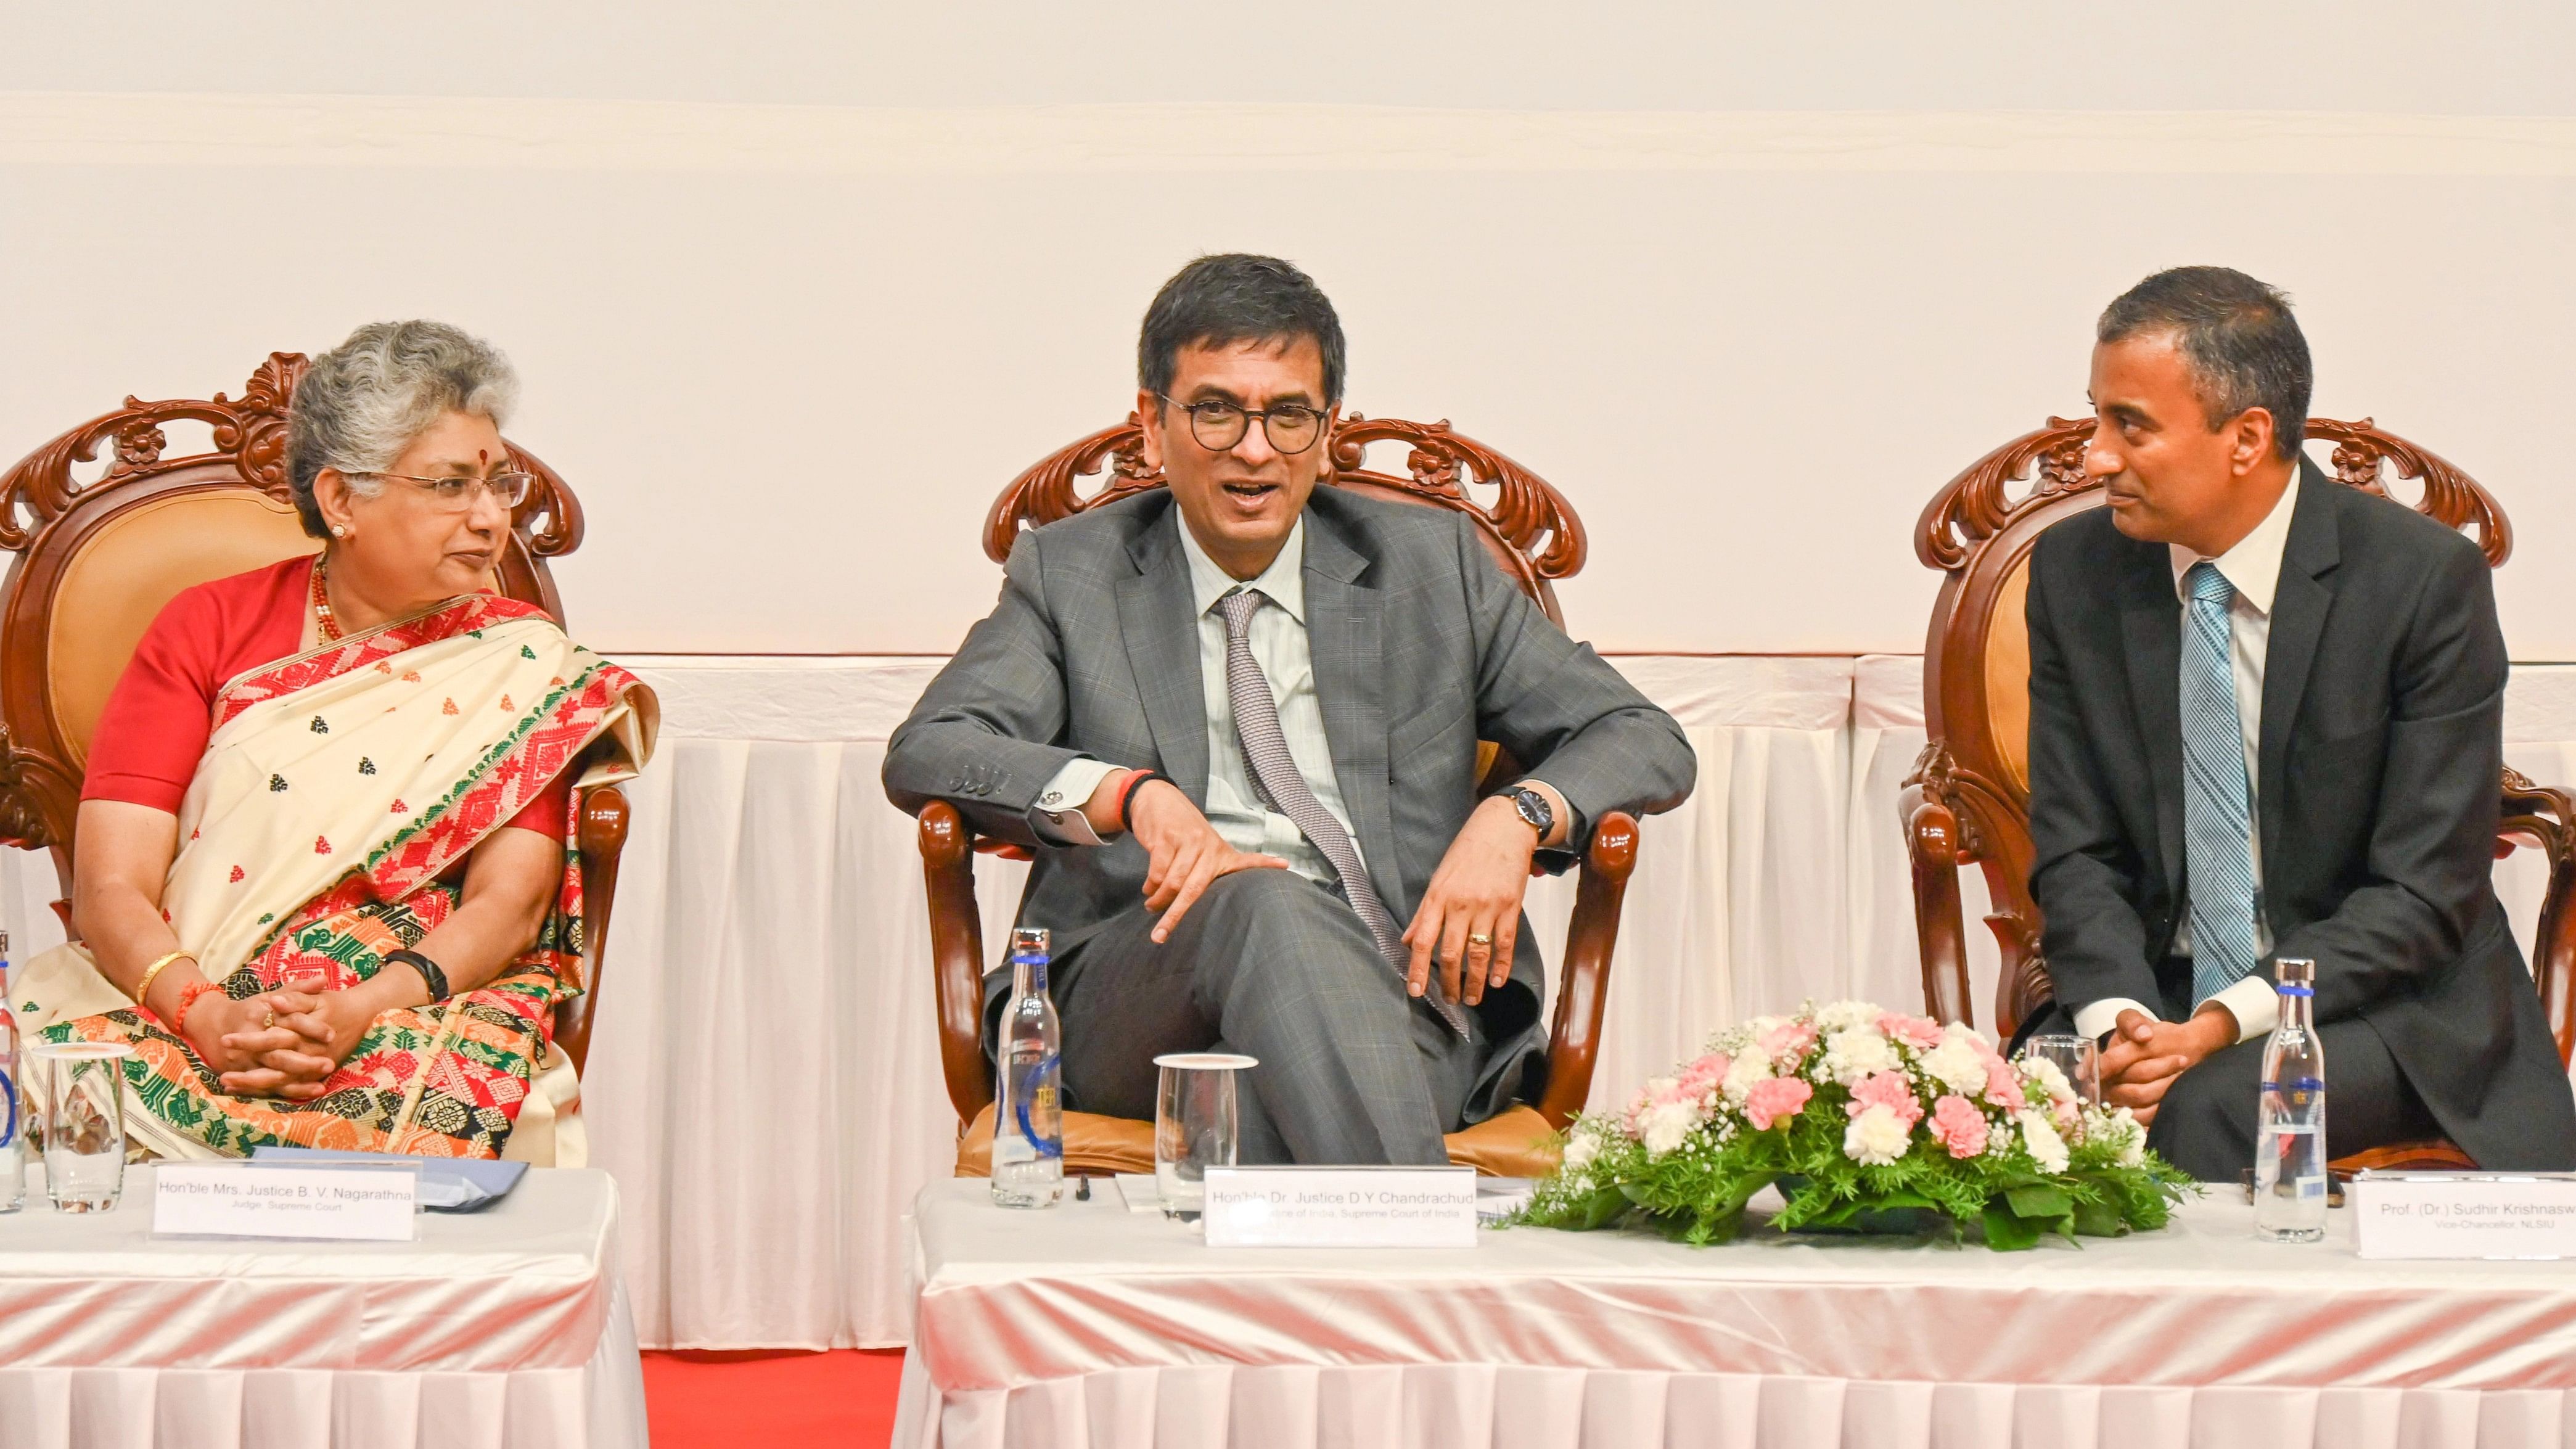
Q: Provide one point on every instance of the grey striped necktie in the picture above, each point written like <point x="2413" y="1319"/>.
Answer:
<point x="1265" y="746"/>
<point x="2218" y="821"/>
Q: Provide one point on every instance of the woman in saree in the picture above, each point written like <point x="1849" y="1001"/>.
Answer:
<point x="323" y="875"/>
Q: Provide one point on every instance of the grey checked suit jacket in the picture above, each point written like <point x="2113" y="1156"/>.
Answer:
<point x="1421" y="648"/>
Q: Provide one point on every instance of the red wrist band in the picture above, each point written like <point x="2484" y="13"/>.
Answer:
<point x="1136" y="782"/>
<point x="187" y="999"/>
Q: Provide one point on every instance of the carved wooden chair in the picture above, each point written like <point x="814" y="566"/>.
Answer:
<point x="98" y="557"/>
<point x="1968" y="800"/>
<point x="1534" y="538"/>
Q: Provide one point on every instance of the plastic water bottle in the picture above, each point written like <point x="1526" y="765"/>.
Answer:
<point x="13" y="1099"/>
<point x="1028" y="1123"/>
<point x="2290" y="1130"/>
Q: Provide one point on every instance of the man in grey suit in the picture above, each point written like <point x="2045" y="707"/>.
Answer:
<point x="1236" y="722"/>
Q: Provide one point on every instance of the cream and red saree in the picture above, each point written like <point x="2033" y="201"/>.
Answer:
<point x="336" y="791"/>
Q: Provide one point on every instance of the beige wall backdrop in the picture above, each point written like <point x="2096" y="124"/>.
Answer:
<point x="795" y="289"/>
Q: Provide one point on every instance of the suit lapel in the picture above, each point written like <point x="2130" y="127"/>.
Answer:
<point x="2300" y="603"/>
<point x="1162" y="638"/>
<point x="2151" y="626"/>
<point x="1343" y="633"/>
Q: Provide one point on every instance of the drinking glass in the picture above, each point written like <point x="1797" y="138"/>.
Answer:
<point x="84" y="1096"/>
<point x="2077" y="1057"/>
<point x="1195" y="1126"/>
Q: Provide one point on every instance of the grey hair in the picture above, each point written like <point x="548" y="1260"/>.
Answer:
<point x="361" y="403"/>
<point x="2237" y="337"/>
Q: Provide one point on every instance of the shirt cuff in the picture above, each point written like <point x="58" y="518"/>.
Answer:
<point x="2100" y="1017"/>
<point x="1057" y="816"/>
<point x="2254" y="1004"/>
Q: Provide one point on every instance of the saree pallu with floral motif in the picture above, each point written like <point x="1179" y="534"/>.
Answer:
<point x="339" y="790"/>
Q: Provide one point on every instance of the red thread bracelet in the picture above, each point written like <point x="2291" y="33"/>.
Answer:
<point x="187" y="999"/>
<point x="1136" y="782"/>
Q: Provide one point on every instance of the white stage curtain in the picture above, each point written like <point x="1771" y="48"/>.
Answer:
<point x="765" y="1079"/>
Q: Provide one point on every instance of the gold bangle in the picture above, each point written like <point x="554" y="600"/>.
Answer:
<point x="144" y="989"/>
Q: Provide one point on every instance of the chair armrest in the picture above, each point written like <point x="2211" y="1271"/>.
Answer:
<point x="956" y="955"/>
<point x="2546" y="816"/>
<point x="1574" y="1038"/>
<point x="600" y="835"/>
<point x="1940" y="928"/>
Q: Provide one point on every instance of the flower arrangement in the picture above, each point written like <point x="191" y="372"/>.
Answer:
<point x="1870" y="1121"/>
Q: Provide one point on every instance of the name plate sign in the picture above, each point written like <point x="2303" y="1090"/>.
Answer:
<point x="255" y="1200"/>
<point x="2463" y="1215"/>
<point x="1341" y="1207"/>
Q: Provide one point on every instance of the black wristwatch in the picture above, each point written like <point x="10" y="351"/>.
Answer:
<point x="430" y="975"/>
<point x="1534" y="810"/>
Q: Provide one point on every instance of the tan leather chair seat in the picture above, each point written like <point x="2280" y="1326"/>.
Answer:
<point x="1517" y="1143"/>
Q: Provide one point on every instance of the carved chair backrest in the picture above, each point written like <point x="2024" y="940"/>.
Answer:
<point x="98" y="556"/>
<point x="1979" y="531"/>
<point x="1531" y="531"/>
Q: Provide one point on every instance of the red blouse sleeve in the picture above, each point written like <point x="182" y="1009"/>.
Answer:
<point x="546" y="813"/>
<point x="154" y="729"/>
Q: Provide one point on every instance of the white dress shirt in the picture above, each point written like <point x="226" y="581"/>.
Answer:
<point x="1277" y="637"/>
<point x="2253" y="569"/>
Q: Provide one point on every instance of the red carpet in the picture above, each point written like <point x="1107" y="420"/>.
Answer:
<point x="772" y="1400"/>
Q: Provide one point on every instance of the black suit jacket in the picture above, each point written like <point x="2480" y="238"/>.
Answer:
<point x="2378" y="788"/>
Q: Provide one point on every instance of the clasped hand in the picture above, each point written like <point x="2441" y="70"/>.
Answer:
<point x="279" y="1043"/>
<point x="2147" y="1056"/>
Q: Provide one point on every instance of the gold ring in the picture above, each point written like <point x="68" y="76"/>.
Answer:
<point x="268" y="1020"/>
<point x="1479" y="938"/>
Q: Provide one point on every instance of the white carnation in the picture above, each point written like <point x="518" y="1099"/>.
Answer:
<point x="1668" y="1126"/>
<point x="1957" y="1065"/>
<point x="1855" y="1052"/>
<point x="2048" y="1075"/>
<point x="2039" y="1136"/>
<point x="1875" y="1138"/>
<point x="1581" y="1150"/>
<point x="1844" y="1015"/>
<point x="1744" y="1072"/>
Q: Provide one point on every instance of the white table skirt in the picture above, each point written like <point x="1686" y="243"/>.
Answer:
<point x="505" y="1329"/>
<point x="768" y="984"/>
<point x="1092" y="1326"/>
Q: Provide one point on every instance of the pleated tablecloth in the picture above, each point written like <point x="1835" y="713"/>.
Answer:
<point x="1092" y="1326"/>
<point x="504" y="1329"/>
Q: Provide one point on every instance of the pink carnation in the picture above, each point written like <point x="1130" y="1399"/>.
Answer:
<point x="1788" y="1041"/>
<point x="1890" y="1090"/>
<point x="1701" y="1077"/>
<point x="2003" y="1084"/>
<point x="1919" y="1032"/>
<point x="1775" y="1099"/>
<point x="1959" y="1126"/>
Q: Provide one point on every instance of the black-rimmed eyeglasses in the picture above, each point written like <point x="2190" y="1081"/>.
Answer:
<point x="1219" y="426"/>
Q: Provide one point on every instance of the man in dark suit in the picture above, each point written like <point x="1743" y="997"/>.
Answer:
<point x="1236" y="721"/>
<point x="2266" y="720"/>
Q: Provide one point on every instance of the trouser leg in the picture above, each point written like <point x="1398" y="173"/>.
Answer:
<point x="1352" y="1069"/>
<point x="2206" y="1123"/>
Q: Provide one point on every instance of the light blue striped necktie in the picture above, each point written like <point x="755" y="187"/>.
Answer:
<point x="2217" y="808"/>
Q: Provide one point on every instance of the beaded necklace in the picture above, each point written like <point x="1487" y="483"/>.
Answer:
<point x="322" y="602"/>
